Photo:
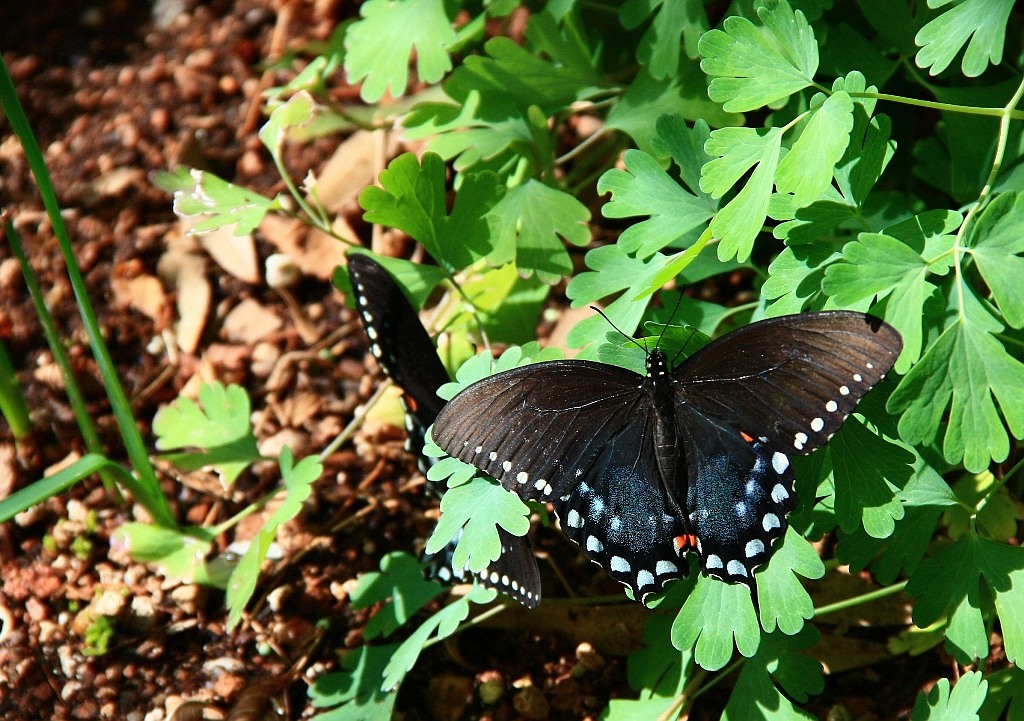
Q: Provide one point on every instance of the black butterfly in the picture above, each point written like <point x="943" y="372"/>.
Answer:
<point x="402" y="346"/>
<point x="640" y="469"/>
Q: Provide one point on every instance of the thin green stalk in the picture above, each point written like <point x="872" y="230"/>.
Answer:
<point x="859" y="600"/>
<point x="13" y="405"/>
<point x="60" y="355"/>
<point x="147" y="489"/>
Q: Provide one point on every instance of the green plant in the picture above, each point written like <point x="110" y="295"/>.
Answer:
<point x="829" y="193"/>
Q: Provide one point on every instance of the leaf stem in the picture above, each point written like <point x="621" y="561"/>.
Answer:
<point x="859" y="600"/>
<point x="945" y="107"/>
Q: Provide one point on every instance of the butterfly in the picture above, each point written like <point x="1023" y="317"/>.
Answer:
<point x="404" y="350"/>
<point x="640" y="469"/>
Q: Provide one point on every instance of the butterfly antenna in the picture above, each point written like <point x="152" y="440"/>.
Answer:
<point x="630" y="338"/>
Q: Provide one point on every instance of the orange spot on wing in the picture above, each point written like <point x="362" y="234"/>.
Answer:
<point x="746" y="437"/>
<point x="410" y="403"/>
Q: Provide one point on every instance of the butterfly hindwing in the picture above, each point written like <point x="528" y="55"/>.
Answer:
<point x="622" y="518"/>
<point x="398" y="339"/>
<point x="739" y="493"/>
<point x="404" y="350"/>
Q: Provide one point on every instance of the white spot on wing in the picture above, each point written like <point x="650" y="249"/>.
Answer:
<point x="493" y="456"/>
<point x="522" y="477"/>
<point x="620" y="564"/>
<point x="713" y="561"/>
<point x="644" y="578"/>
<point x="844" y="390"/>
<point x="780" y="462"/>
<point x="665" y="567"/>
<point x="779" y="493"/>
<point x="817" y="424"/>
<point x="858" y="377"/>
<point x="754" y="548"/>
<point x="770" y="521"/>
<point x="799" y="441"/>
<point x="506" y="466"/>
<point x="831" y="406"/>
<point x="594" y="545"/>
<point x="573" y="519"/>
<point x="735" y="568"/>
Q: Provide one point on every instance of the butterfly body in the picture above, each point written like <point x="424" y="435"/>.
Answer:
<point x="642" y="468"/>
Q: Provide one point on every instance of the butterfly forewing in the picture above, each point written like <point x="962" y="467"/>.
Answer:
<point x="405" y="352"/>
<point x="538" y="428"/>
<point x="791" y="380"/>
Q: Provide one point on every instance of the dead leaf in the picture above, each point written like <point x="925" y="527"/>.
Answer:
<point x="354" y="165"/>
<point x="185" y="272"/>
<point x="144" y="293"/>
<point x="315" y="253"/>
<point x="234" y="253"/>
<point x="250" y="322"/>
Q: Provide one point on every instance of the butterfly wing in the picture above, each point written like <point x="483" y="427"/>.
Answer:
<point x="538" y="428"/>
<point x="737" y="498"/>
<point x="747" y="401"/>
<point x="404" y="349"/>
<point x="398" y="339"/>
<point x="793" y="379"/>
<point x="580" y="434"/>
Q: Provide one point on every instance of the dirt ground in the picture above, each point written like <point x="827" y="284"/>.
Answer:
<point x="115" y="91"/>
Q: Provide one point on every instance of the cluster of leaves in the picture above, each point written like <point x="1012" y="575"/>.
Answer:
<point x="822" y="198"/>
<point x="218" y="430"/>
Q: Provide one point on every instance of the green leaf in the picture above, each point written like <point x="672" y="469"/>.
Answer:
<point x="286" y="119"/>
<point x="736" y="150"/>
<point x="950" y="584"/>
<point x="807" y="169"/>
<point x="752" y="66"/>
<point x="219" y="423"/>
<point x="896" y="265"/>
<point x="647" y="99"/>
<point x="996" y="242"/>
<point x="659" y="47"/>
<point x="297" y="478"/>
<point x="961" y="705"/>
<point x="412" y="198"/>
<point x="1005" y="695"/>
<point x="775" y="668"/>
<point x="923" y="499"/>
<point x="476" y="508"/>
<point x="985" y="504"/>
<point x="643" y="188"/>
<point x="611" y="271"/>
<point x="965" y="370"/>
<point x="216" y="202"/>
<point x="983" y="22"/>
<point x="401" y="28"/>
<point x="441" y="625"/>
<point x="782" y="600"/>
<point x="528" y="222"/>
<point x="179" y="555"/>
<point x="795" y="277"/>
<point x="402" y="588"/>
<point x="736" y="621"/>
<point x="866" y="492"/>
<point x="355" y="691"/>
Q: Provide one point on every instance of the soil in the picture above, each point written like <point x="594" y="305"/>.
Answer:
<point x="115" y="91"/>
